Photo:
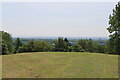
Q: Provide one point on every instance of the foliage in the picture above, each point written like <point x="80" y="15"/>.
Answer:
<point x="77" y="48"/>
<point x="62" y="45"/>
<point x="90" y="46"/>
<point x="5" y="49"/>
<point x="97" y="48"/>
<point x="18" y="43"/>
<point x="7" y="43"/>
<point x="114" y="30"/>
<point x="35" y="46"/>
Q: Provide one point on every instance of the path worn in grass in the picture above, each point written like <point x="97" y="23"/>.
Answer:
<point x="60" y="65"/>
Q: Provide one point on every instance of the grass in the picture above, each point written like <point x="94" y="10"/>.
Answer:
<point x="60" y="65"/>
<point x="0" y="67"/>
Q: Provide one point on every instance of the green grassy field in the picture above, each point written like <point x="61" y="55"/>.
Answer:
<point x="60" y="65"/>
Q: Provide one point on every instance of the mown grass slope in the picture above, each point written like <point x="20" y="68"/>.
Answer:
<point x="60" y="65"/>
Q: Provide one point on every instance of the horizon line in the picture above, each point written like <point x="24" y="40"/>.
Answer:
<point x="56" y="37"/>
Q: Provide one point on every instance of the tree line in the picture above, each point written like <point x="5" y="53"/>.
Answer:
<point x="59" y="45"/>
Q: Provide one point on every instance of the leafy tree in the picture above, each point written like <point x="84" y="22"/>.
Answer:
<point x="98" y="48"/>
<point x="66" y="45"/>
<point x="59" y="44"/>
<point x="109" y="46"/>
<point x="42" y="46"/>
<point x="89" y="45"/>
<point x="114" y="29"/>
<point x="82" y="43"/>
<point x="62" y="44"/>
<point x="29" y="47"/>
<point x="7" y="43"/>
<point x="18" y="43"/>
<point x="77" y="48"/>
<point x="23" y="48"/>
<point x="66" y="40"/>
<point x="4" y="49"/>
<point x="0" y="42"/>
<point x="35" y="46"/>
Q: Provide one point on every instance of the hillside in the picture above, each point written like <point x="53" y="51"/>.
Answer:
<point x="60" y="65"/>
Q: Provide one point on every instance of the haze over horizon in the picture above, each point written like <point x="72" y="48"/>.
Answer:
<point x="75" y="19"/>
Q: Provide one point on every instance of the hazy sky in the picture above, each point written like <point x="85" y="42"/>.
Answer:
<point x="83" y="19"/>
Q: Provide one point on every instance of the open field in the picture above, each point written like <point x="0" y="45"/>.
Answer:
<point x="0" y="67"/>
<point x="60" y="65"/>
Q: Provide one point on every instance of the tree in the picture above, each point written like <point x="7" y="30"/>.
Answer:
<point x="89" y="45"/>
<point x="30" y="46"/>
<point x="18" y="44"/>
<point x="35" y="46"/>
<point x="114" y="29"/>
<point x="62" y="44"/>
<point x="4" y="49"/>
<point x="59" y="44"/>
<point x="0" y="42"/>
<point x="66" y="45"/>
<point x="7" y="43"/>
<point x="109" y="47"/>
<point x="77" y="48"/>
<point x="98" y="48"/>
<point x="66" y="40"/>
<point x="42" y="46"/>
<point x="83" y="43"/>
<point x="86" y="44"/>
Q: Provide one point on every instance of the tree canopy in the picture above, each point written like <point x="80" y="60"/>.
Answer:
<point x="114" y="30"/>
<point x="18" y="43"/>
<point x="7" y="43"/>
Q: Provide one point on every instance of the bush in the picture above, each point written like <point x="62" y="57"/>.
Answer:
<point x="35" y="46"/>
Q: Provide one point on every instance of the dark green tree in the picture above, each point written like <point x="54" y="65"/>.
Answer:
<point x="66" y="40"/>
<point x="30" y="46"/>
<point x="109" y="46"/>
<point x="0" y="42"/>
<point x="35" y="46"/>
<point x="114" y="29"/>
<point x="42" y="46"/>
<point x="83" y="43"/>
<point x="59" y="44"/>
<point x="89" y="45"/>
<point x="77" y="48"/>
<point x="62" y="44"/>
<point x="66" y="45"/>
<point x="7" y="43"/>
<point x="18" y="44"/>
<point x="98" y="48"/>
<point x="4" y="49"/>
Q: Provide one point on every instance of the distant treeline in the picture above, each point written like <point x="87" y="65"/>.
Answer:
<point x="71" y="40"/>
<point x="60" y="45"/>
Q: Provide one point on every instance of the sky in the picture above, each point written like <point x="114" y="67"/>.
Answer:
<point x="54" y="19"/>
